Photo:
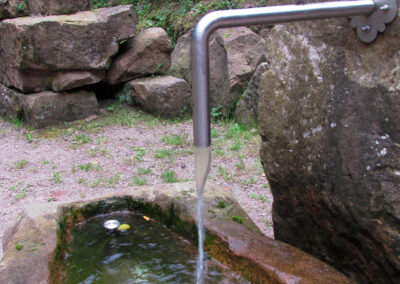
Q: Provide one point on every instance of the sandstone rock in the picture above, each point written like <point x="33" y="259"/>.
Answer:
<point x="41" y="230"/>
<point x="234" y="56"/>
<point x="17" y="8"/>
<point x="219" y="82"/>
<point x="245" y="51"/>
<point x="330" y="126"/>
<point x="10" y="102"/>
<point x="47" y="108"/>
<point x="246" y="109"/>
<point x="165" y="95"/>
<point x="146" y="54"/>
<point x="62" y="52"/>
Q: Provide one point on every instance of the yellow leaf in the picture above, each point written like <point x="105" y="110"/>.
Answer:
<point x="123" y="227"/>
<point x="146" y="218"/>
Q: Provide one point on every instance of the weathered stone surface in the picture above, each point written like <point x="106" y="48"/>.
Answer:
<point x="330" y="125"/>
<point x="219" y="77"/>
<point x="62" y="52"/>
<point x="47" y="108"/>
<point x="245" y="50"/>
<point x="17" y="8"/>
<point x="10" y="102"/>
<point x="234" y="56"/>
<point x="148" y="53"/>
<point x="246" y="108"/>
<point x="240" y="246"/>
<point x="164" y="95"/>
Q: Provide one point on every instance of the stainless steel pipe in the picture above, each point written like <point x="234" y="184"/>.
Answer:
<point x="244" y="17"/>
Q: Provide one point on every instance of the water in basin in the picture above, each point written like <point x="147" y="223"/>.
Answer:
<point x="146" y="253"/>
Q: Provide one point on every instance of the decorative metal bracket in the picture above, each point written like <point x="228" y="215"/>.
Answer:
<point x="369" y="26"/>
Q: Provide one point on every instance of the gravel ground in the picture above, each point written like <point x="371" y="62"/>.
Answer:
<point x="87" y="159"/>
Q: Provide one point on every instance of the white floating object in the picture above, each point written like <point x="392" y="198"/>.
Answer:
<point x="111" y="224"/>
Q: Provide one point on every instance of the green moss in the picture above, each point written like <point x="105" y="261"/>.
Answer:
<point x="237" y="219"/>
<point x="18" y="246"/>
<point x="222" y="204"/>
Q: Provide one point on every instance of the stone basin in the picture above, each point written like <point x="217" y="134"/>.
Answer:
<point x="41" y="233"/>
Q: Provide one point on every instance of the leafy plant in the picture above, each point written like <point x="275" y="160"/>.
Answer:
<point x="140" y="152"/>
<point x="21" y="7"/>
<point x="216" y="112"/>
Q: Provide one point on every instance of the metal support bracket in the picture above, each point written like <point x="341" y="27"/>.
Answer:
<point x="369" y="26"/>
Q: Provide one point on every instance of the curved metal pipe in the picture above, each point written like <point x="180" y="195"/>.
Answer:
<point x="244" y="17"/>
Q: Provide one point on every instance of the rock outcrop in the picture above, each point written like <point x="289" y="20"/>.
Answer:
<point x="234" y="56"/>
<point x="148" y="53"/>
<point x="17" y="8"/>
<point x="246" y="109"/>
<point x="162" y="95"/>
<point x="62" y="52"/>
<point x="47" y="108"/>
<point x="330" y="126"/>
<point x="245" y="50"/>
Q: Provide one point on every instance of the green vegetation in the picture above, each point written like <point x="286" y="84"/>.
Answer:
<point x="237" y="219"/>
<point x="164" y="154"/>
<point x="222" y="204"/>
<point x="20" y="164"/>
<point x="90" y="166"/>
<point x="175" y="140"/>
<point x="174" y="16"/>
<point x="143" y="171"/>
<point x="168" y="176"/>
<point x="140" y="152"/>
<point x="259" y="197"/>
<point x="140" y="180"/>
<point x="56" y="177"/>
<point x="18" y="246"/>
<point x="224" y="173"/>
<point x="79" y="140"/>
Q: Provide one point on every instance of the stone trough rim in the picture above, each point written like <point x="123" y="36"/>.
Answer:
<point x="230" y="243"/>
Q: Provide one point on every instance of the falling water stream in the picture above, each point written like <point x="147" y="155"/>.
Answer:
<point x="202" y="159"/>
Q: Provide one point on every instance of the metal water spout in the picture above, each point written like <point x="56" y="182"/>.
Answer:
<point x="368" y="17"/>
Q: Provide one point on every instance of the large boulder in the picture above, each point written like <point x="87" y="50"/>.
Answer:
<point x="47" y="108"/>
<point x="234" y="56"/>
<point x="162" y="95"/>
<point x="62" y="52"/>
<point x="219" y="77"/>
<point x="18" y="8"/>
<point x="148" y="53"/>
<point x="246" y="109"/>
<point x="330" y="126"/>
<point x="245" y="50"/>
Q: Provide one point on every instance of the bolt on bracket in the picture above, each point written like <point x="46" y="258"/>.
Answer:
<point x="368" y="26"/>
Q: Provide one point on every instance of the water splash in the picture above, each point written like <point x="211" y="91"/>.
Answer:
<point x="202" y="160"/>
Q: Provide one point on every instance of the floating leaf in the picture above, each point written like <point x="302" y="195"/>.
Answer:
<point x="123" y="227"/>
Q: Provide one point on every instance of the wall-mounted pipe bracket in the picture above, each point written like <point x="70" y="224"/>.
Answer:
<point x="369" y="26"/>
<point x="368" y="16"/>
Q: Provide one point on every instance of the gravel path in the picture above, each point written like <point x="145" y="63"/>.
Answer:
<point x="84" y="163"/>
